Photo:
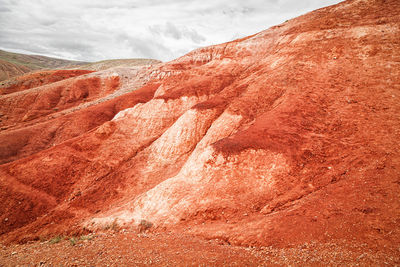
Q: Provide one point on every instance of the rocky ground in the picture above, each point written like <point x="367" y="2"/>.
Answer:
<point x="130" y="247"/>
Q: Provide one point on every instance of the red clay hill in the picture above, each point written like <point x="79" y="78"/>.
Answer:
<point x="286" y="137"/>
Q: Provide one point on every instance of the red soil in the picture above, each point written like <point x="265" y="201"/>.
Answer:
<point x="28" y="140"/>
<point x="37" y="79"/>
<point x="280" y="139"/>
<point x="45" y="100"/>
<point x="57" y="112"/>
<point x="129" y="248"/>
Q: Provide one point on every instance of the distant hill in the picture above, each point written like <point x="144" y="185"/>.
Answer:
<point x="107" y="64"/>
<point x="14" y="64"/>
<point x="9" y="70"/>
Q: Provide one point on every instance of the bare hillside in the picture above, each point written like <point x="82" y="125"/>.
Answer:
<point x="286" y="141"/>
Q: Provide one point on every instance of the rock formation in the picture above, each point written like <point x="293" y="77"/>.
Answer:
<point x="284" y="137"/>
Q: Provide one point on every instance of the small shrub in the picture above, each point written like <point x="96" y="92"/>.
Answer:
<point x="113" y="226"/>
<point x="55" y="240"/>
<point x="73" y="241"/>
<point x="144" y="225"/>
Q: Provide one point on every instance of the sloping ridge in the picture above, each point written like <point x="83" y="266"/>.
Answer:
<point x="9" y="70"/>
<point x="107" y="64"/>
<point x="36" y="79"/>
<point x="285" y="137"/>
<point x="35" y="62"/>
<point x="15" y="64"/>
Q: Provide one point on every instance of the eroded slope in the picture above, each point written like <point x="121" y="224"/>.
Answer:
<point x="284" y="137"/>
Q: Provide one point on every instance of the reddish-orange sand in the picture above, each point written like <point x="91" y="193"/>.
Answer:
<point x="283" y="139"/>
<point x="38" y="78"/>
<point x="130" y="248"/>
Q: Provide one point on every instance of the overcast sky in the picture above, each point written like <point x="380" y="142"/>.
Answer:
<point x="93" y="30"/>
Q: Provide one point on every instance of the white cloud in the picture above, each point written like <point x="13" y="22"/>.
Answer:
<point x="162" y="29"/>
